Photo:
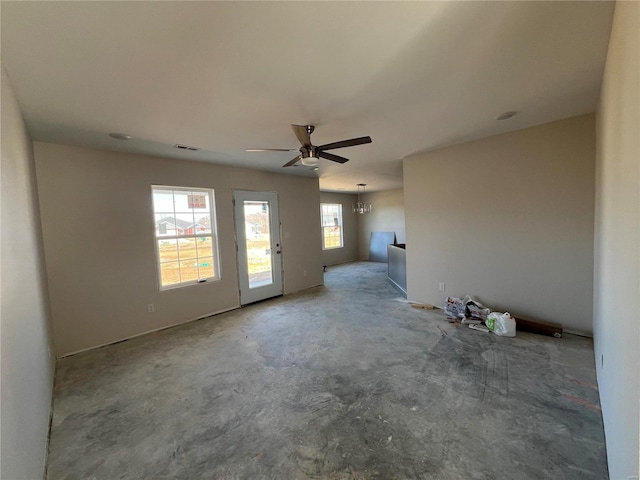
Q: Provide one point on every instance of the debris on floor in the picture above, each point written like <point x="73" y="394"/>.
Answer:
<point x="474" y="309"/>
<point x="502" y="324"/>
<point x="480" y="328"/>
<point x="469" y="311"/>
<point x="470" y="321"/>
<point x="453" y="307"/>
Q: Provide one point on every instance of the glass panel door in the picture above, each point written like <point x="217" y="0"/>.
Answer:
<point x="259" y="249"/>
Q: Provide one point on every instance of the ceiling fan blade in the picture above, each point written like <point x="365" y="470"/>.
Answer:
<point x="345" y="143"/>
<point x="293" y="162"/>
<point x="332" y="157"/>
<point x="271" y="149"/>
<point x="303" y="132"/>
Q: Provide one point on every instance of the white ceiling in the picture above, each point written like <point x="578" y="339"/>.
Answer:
<point x="227" y="76"/>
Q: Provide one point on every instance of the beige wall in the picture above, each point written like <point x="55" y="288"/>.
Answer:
<point x="27" y="364"/>
<point x="99" y="245"/>
<point x="507" y="219"/>
<point x="348" y="253"/>
<point x="387" y="215"/>
<point x="617" y="260"/>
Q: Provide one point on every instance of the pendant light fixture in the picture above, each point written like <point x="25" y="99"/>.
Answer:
<point x="361" y="207"/>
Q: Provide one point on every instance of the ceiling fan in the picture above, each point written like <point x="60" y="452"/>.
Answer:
<point x="310" y="154"/>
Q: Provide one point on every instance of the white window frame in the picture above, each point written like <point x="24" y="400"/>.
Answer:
<point x="215" y="249"/>
<point x="340" y="224"/>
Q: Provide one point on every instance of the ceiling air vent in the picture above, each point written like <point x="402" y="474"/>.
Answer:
<point x="186" y="147"/>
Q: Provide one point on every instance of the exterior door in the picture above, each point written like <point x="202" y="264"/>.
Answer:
<point x="259" y="247"/>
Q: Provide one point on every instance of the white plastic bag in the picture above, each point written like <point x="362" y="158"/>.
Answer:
<point x="502" y="324"/>
<point x="474" y="309"/>
<point x="453" y="307"/>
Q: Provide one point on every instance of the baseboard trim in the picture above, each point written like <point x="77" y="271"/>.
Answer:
<point x="150" y="331"/>
<point x="302" y="289"/>
<point x="341" y="263"/>
<point x="577" y="332"/>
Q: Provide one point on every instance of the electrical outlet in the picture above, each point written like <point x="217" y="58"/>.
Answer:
<point x="442" y="287"/>
<point x="304" y="273"/>
<point x="150" y="308"/>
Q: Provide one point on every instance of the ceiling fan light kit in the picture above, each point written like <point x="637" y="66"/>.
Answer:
<point x="311" y="154"/>
<point x="310" y="161"/>
<point x="361" y="207"/>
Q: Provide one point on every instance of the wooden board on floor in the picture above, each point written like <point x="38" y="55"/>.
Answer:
<point x="537" y="326"/>
<point x="425" y="306"/>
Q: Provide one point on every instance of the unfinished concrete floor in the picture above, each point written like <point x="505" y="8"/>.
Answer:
<point x="345" y="381"/>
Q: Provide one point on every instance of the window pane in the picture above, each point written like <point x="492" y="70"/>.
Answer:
<point x="203" y="223"/>
<point x="260" y="273"/>
<point x="187" y="248"/>
<point x="181" y="201"/>
<point x="165" y="224"/>
<point x="332" y="237"/>
<point x="189" y="270"/>
<point x="259" y="267"/>
<point x="169" y="273"/>
<point x="184" y="224"/>
<point x="162" y="201"/>
<point x="256" y="221"/>
<point x="205" y="247"/>
<point x="198" y="202"/>
<point x="258" y="239"/>
<point x="205" y="267"/>
<point x="167" y="250"/>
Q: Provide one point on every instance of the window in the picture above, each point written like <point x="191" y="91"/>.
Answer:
<point x="185" y="236"/>
<point x="331" y="214"/>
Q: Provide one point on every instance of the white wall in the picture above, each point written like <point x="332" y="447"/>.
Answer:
<point x="349" y="252"/>
<point x="27" y="366"/>
<point x="387" y="215"/>
<point x="99" y="244"/>
<point x="507" y="219"/>
<point x="617" y="261"/>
